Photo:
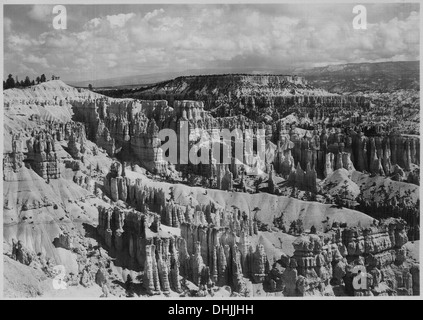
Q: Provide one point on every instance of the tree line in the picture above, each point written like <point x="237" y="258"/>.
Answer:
<point x="11" y="82"/>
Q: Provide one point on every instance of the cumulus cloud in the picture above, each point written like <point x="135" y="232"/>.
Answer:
<point x="19" y="43"/>
<point x="36" y="60"/>
<point x="181" y="37"/>
<point x="152" y="14"/>
<point x="40" y="12"/>
<point x="119" y="20"/>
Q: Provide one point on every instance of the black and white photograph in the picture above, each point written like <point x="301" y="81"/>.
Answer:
<point x="211" y="150"/>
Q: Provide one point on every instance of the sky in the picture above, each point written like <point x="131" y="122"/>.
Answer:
<point x="108" y="41"/>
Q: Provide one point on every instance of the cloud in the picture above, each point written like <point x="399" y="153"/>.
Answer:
<point x="177" y="37"/>
<point x="40" y="12"/>
<point x="20" y="43"/>
<point x="119" y="20"/>
<point x="152" y="14"/>
<point x="42" y="61"/>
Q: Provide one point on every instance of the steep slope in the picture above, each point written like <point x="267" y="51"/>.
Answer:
<point x="27" y="108"/>
<point x="46" y="192"/>
<point x="235" y="84"/>
<point x="54" y="90"/>
<point x="263" y="206"/>
<point x="21" y="281"/>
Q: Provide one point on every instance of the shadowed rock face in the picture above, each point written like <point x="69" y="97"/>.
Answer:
<point x="331" y="258"/>
<point x="41" y="152"/>
<point x="13" y="161"/>
<point x="206" y="254"/>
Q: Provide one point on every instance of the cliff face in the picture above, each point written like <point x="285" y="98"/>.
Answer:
<point x="233" y="90"/>
<point x="46" y="188"/>
<point x="335" y="257"/>
<point x="209" y="255"/>
<point x="240" y="84"/>
<point x="216" y="246"/>
<point x="132" y="127"/>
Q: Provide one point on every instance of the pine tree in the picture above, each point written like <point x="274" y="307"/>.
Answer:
<point x="293" y="227"/>
<point x="43" y="78"/>
<point x="129" y="284"/>
<point x="38" y="80"/>
<point x="300" y="226"/>
<point x="27" y="82"/>
<point x="10" y="82"/>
